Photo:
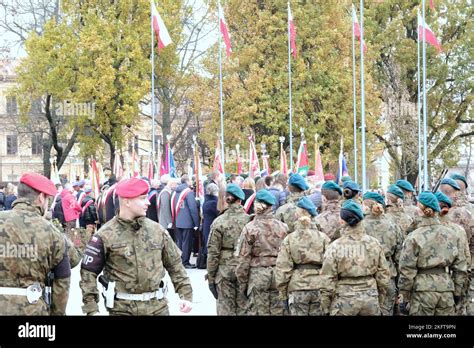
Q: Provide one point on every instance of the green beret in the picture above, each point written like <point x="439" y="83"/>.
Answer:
<point x="459" y="177"/>
<point x="352" y="206"/>
<point x="374" y="196"/>
<point x="450" y="182"/>
<point x="298" y="181"/>
<point x="441" y="197"/>
<point x="405" y="185"/>
<point x="397" y="191"/>
<point x="331" y="185"/>
<point x="236" y="191"/>
<point x="351" y="185"/>
<point x="306" y="204"/>
<point x="346" y="178"/>
<point x="265" y="197"/>
<point x="428" y="199"/>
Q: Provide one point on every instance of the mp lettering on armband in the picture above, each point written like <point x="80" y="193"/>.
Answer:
<point x="94" y="258"/>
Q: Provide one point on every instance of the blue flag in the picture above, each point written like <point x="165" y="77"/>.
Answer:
<point x="172" y="168"/>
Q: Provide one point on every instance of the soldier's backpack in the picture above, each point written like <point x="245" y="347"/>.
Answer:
<point x="58" y="212"/>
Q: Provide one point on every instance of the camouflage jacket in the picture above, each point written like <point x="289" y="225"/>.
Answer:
<point x="286" y="213"/>
<point x="135" y="254"/>
<point x="402" y="219"/>
<point x="459" y="232"/>
<point x="386" y="231"/>
<point x="259" y="244"/>
<point x="31" y="247"/>
<point x="303" y="247"/>
<point x="356" y="262"/>
<point x="431" y="246"/>
<point x="411" y="211"/>
<point x="460" y="215"/>
<point x="328" y="221"/>
<point x="225" y="232"/>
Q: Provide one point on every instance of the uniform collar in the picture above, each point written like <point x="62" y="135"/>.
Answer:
<point x="426" y="221"/>
<point x="294" y="197"/>
<point x="331" y="205"/>
<point x="358" y="229"/>
<point x="134" y="224"/>
<point x="24" y="204"/>
<point x="407" y="202"/>
<point x="267" y="215"/>
<point x="235" y="208"/>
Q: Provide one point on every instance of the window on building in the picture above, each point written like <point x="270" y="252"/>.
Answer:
<point x="36" y="144"/>
<point x="12" y="108"/>
<point x="12" y="144"/>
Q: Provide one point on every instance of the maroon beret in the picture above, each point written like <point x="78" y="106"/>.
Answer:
<point x="131" y="188"/>
<point x="329" y="177"/>
<point x="39" y="183"/>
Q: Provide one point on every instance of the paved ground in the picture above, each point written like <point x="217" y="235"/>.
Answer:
<point x="203" y="304"/>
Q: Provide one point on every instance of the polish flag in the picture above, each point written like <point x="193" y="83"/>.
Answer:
<point x="292" y="38"/>
<point x="283" y="163"/>
<point x="95" y="183"/>
<point x="118" y="169"/>
<point x="150" y="167"/>
<point x="254" y="165"/>
<point x="224" y="31"/>
<point x="429" y="35"/>
<point x="357" y="28"/>
<point x="135" y="166"/>
<point x="162" y="35"/>
<point x="217" y="161"/>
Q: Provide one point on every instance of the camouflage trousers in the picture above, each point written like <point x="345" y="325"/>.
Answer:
<point x="356" y="303"/>
<point x="432" y="303"/>
<point x="152" y="307"/>
<point x="19" y="305"/>
<point x="263" y="296"/>
<point x="468" y="301"/>
<point x="390" y="297"/>
<point x="306" y="302"/>
<point x="230" y="300"/>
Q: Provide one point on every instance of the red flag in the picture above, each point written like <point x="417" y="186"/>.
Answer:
<point x="302" y="164"/>
<point x="266" y="165"/>
<point x="318" y="165"/>
<point x="357" y="28"/>
<point x="217" y="161"/>
<point x="118" y="169"/>
<point x="224" y="31"/>
<point x="254" y="165"/>
<point x="283" y="163"/>
<point x="429" y="34"/>
<point x="162" y="35"/>
<point x="432" y="6"/>
<point x="135" y="166"/>
<point x="150" y="167"/>
<point x="292" y="38"/>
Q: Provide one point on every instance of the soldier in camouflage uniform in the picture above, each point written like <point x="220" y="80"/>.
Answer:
<point x="351" y="191"/>
<point x="299" y="263"/>
<point x="221" y="263"/>
<point x="258" y="248"/>
<point x="429" y="253"/>
<point x="463" y="196"/>
<point x="390" y="237"/>
<point x="408" y="204"/>
<point x="328" y="221"/>
<point x="286" y="213"/>
<point x="40" y="249"/>
<point x="135" y="253"/>
<point x="395" y="209"/>
<point x="358" y="273"/>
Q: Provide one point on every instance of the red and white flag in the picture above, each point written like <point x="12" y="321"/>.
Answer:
<point x="135" y="166"/>
<point x="224" y="31"/>
<point x="292" y="32"/>
<point x="318" y="165"/>
<point x="118" y="169"/>
<point x="254" y="165"/>
<point x="356" y="25"/>
<point x="95" y="183"/>
<point x="283" y="162"/>
<point x="150" y="170"/>
<point x="429" y="34"/>
<point x="217" y="160"/>
<point x="162" y="35"/>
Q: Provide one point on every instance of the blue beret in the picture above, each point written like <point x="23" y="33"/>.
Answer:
<point x="306" y="204"/>
<point x="352" y="206"/>
<point x="331" y="185"/>
<point x="441" y="197"/>
<point x="450" y="182"/>
<point x="459" y="177"/>
<point x="346" y="178"/>
<point x="265" y="197"/>
<point x="236" y="191"/>
<point x="395" y="190"/>
<point x="374" y="196"/>
<point x="405" y="185"/>
<point x="351" y="185"/>
<point x="428" y="199"/>
<point x="298" y="181"/>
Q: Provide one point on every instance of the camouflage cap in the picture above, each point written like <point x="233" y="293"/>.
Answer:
<point x="306" y="204"/>
<point x="236" y="191"/>
<point x="397" y="191"/>
<point x="450" y="182"/>
<point x="374" y="196"/>
<point x="459" y="177"/>
<point x="441" y="197"/>
<point x="265" y="197"/>
<point x="331" y="185"/>
<point x="428" y="199"/>
<point x="405" y="185"/>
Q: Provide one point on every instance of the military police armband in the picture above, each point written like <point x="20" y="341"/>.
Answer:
<point x="94" y="255"/>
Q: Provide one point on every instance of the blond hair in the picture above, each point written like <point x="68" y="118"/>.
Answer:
<point x="374" y="207"/>
<point x="249" y="183"/>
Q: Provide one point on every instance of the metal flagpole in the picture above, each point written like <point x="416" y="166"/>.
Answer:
<point x="290" y="110"/>
<point x="220" y="91"/>
<point x="418" y="105"/>
<point x="152" y="84"/>
<point x="362" y="92"/>
<point x="354" y="98"/>
<point x="425" y="146"/>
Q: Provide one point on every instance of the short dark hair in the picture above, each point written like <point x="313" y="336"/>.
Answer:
<point x="184" y="178"/>
<point x="331" y="195"/>
<point x="27" y="192"/>
<point x="269" y="180"/>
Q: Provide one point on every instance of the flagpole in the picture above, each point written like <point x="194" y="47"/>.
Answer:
<point x="152" y="83"/>
<point x="425" y="146"/>
<point x="418" y="102"/>
<point x="289" y="87"/>
<point x="362" y="92"/>
<point x="220" y="92"/>
<point x="354" y="99"/>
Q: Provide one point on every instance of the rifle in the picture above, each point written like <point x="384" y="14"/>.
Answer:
<point x="441" y="177"/>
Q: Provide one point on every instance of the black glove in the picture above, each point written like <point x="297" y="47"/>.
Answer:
<point x="404" y="308"/>
<point x="285" y="305"/>
<point x="212" y="287"/>
<point x="457" y="299"/>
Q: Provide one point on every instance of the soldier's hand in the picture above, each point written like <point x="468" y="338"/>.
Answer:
<point x="213" y="289"/>
<point x="185" y="306"/>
